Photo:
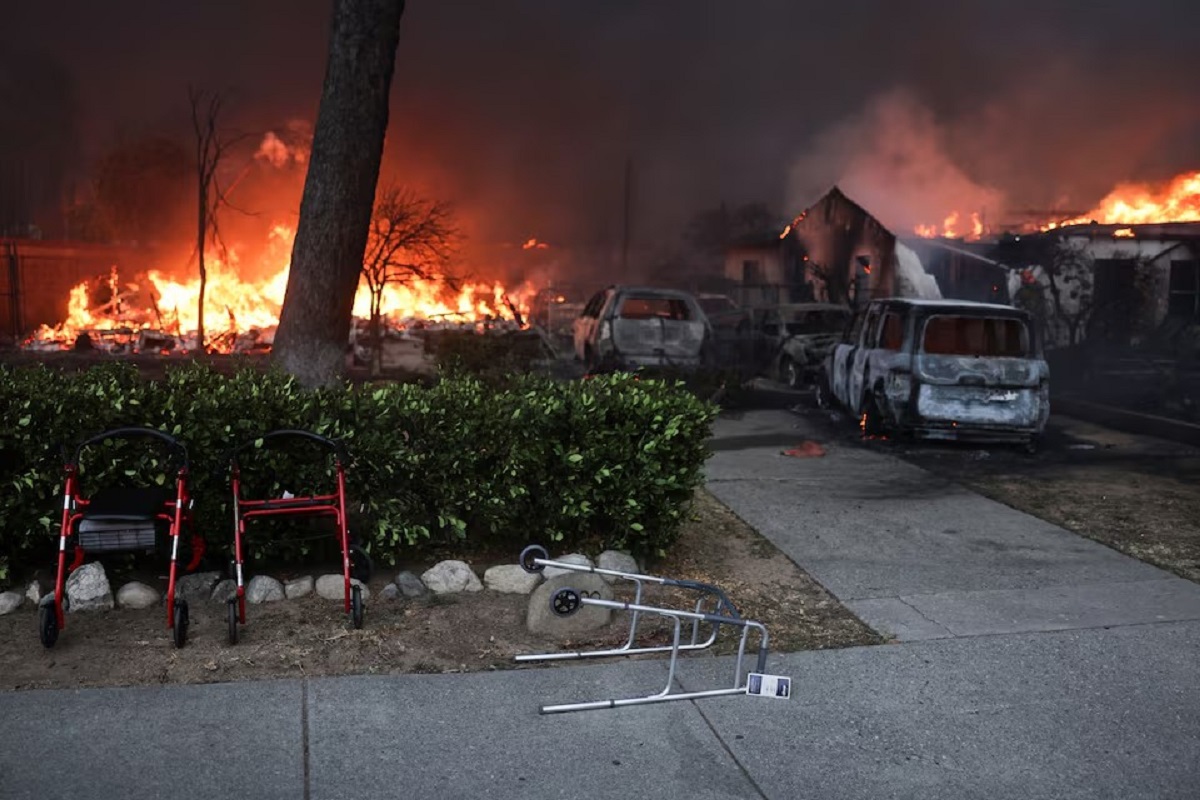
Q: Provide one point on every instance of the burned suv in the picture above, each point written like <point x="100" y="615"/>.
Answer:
<point x="941" y="369"/>
<point x="626" y="327"/>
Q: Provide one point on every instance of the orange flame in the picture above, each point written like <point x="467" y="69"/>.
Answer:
<point x="1142" y="203"/>
<point x="236" y="306"/>
<point x="950" y="228"/>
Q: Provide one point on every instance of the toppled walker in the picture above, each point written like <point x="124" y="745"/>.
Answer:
<point x="712" y="608"/>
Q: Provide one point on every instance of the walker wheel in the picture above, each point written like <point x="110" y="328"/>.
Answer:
<point x="360" y="564"/>
<point x="529" y="554"/>
<point x="179" y="624"/>
<point x="47" y="624"/>
<point x="232" y="613"/>
<point x="356" y="606"/>
<point x="565" y="602"/>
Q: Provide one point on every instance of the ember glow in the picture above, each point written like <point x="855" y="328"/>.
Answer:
<point x="242" y="314"/>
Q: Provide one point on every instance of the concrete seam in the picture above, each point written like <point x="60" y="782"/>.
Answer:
<point x="928" y="618"/>
<point x="724" y="746"/>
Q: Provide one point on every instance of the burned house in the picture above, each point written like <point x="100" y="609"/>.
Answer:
<point x="826" y="252"/>
<point x="1114" y="284"/>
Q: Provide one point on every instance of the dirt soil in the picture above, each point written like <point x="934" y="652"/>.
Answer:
<point x="1137" y="494"/>
<point x="449" y="633"/>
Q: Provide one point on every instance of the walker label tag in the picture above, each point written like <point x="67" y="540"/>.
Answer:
<point x="777" y="686"/>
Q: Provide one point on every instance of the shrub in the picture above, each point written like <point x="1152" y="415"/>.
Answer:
<point x="610" y="461"/>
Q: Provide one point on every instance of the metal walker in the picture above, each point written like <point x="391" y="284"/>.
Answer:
<point x="567" y="601"/>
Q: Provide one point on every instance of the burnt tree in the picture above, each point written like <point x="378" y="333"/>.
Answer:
<point x="339" y="190"/>
<point x="211" y="149"/>
<point x="411" y="238"/>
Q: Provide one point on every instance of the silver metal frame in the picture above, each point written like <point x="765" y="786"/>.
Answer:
<point x="723" y="613"/>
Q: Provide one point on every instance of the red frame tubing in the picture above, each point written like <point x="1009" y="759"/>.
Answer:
<point x="64" y="532"/>
<point x="181" y="501"/>
<point x="343" y="528"/>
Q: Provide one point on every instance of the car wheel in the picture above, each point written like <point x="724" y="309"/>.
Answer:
<point x="822" y="394"/>
<point x="791" y="373"/>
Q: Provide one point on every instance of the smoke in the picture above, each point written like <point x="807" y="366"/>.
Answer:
<point x="291" y="147"/>
<point x="893" y="159"/>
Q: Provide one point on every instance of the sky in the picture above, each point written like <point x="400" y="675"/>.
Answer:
<point x="523" y="112"/>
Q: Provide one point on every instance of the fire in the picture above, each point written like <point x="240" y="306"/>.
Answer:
<point x="237" y="308"/>
<point x="1124" y="233"/>
<point x="952" y="227"/>
<point x="534" y="244"/>
<point x="1142" y="203"/>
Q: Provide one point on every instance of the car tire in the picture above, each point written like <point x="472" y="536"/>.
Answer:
<point x="791" y="374"/>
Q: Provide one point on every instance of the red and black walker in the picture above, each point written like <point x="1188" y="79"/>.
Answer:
<point x="355" y="562"/>
<point x="122" y="519"/>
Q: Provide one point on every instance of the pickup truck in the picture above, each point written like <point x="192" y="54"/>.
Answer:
<point x="941" y="369"/>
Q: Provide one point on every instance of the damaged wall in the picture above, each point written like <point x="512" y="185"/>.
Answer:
<point x="832" y="233"/>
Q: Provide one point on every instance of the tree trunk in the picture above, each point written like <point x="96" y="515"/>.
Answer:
<point x="376" y="364"/>
<point x="339" y="191"/>
<point x="201" y="237"/>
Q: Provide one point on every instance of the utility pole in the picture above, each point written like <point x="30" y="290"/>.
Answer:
<point x="626" y="218"/>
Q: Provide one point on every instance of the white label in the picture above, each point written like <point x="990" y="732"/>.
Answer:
<point x="777" y="686"/>
<point x="287" y="495"/>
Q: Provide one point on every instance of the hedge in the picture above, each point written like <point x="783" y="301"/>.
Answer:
<point x="610" y="461"/>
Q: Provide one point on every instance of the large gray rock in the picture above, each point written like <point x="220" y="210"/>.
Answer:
<point x="511" y="579"/>
<point x="224" y="591"/>
<point x="616" y="561"/>
<point x="450" y="577"/>
<point x="389" y="592"/>
<point x="572" y="558"/>
<point x="541" y="619"/>
<point x="137" y="595"/>
<point x="197" y="587"/>
<point x="333" y="587"/>
<point x="264" y="589"/>
<point x="410" y="585"/>
<point x="300" y="587"/>
<point x="10" y="602"/>
<point x="88" y="589"/>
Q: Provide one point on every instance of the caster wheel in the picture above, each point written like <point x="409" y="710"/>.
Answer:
<point x="179" y="624"/>
<point x="529" y="554"/>
<point x="232" y="614"/>
<point x="360" y="564"/>
<point x="357" y="610"/>
<point x="565" y="602"/>
<point x="47" y="624"/>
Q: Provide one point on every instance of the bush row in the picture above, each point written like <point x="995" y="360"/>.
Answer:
<point x="610" y="461"/>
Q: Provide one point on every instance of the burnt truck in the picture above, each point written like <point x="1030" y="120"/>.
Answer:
<point x="941" y="369"/>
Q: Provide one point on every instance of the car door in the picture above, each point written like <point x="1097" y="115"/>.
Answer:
<point x="585" y="324"/>
<point x="858" y="362"/>
<point x="838" y="361"/>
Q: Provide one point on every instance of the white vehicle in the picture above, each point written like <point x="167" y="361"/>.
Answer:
<point x="941" y="369"/>
<point x="626" y="327"/>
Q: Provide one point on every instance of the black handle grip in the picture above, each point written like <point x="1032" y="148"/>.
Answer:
<point x="134" y="432"/>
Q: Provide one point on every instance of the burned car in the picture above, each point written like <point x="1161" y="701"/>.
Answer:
<point x="941" y="369"/>
<point x="627" y="327"/>
<point x="794" y="339"/>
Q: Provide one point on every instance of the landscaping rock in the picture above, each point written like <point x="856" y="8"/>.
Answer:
<point x="541" y="619"/>
<point x="137" y="595"/>
<point x="10" y="602"/>
<point x="573" y="558"/>
<point x="36" y="591"/>
<point x="618" y="561"/>
<point x="224" y="591"/>
<point x="300" y="587"/>
<point x="389" y="592"/>
<point x="410" y="585"/>
<point x="511" y="579"/>
<point x="449" y="577"/>
<point x="197" y="587"/>
<point x="88" y="589"/>
<point x="332" y="587"/>
<point x="264" y="589"/>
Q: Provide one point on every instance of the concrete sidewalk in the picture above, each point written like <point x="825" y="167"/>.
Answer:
<point x="918" y="557"/>
<point x="1032" y="664"/>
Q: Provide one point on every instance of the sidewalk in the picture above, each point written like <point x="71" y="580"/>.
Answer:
<point x="1000" y="688"/>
